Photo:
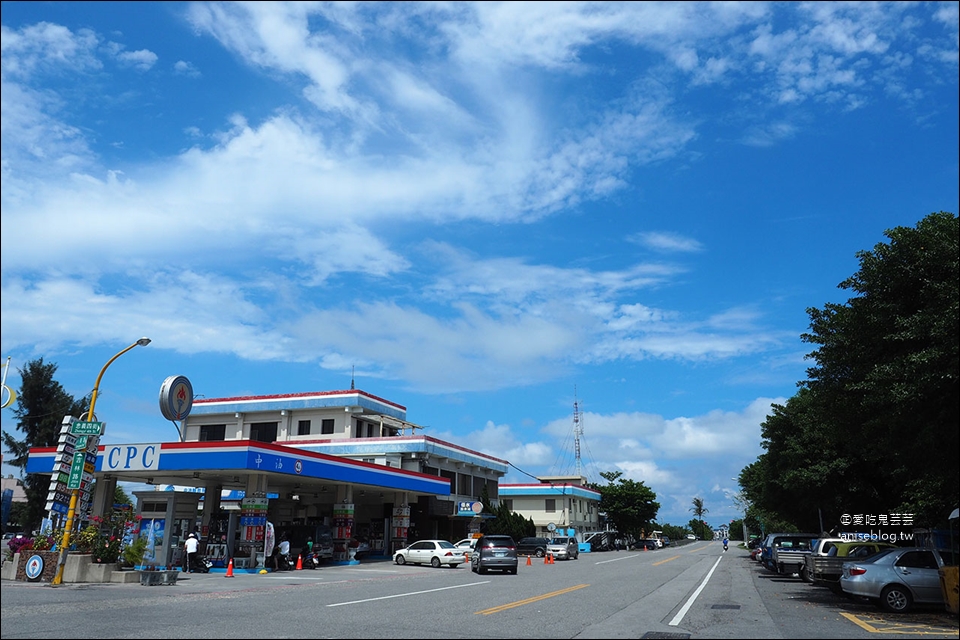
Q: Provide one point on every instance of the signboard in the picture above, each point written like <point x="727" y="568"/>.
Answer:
<point x="176" y="398"/>
<point x="86" y="428"/>
<point x="76" y="472"/>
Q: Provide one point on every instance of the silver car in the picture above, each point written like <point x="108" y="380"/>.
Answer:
<point x="896" y="579"/>
<point x="564" y="548"/>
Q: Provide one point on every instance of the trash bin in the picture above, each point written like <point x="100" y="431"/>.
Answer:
<point x="949" y="585"/>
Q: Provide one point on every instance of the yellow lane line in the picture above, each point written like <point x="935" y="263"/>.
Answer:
<point x="520" y="603"/>
<point x="656" y="564"/>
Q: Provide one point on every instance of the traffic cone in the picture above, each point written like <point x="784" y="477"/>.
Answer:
<point x="230" y="568"/>
<point x="528" y="561"/>
<point x="299" y="562"/>
<point x="546" y="558"/>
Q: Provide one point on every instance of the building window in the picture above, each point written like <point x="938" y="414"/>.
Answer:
<point x="263" y="431"/>
<point x="464" y="484"/>
<point x="550" y="505"/>
<point x="326" y="426"/>
<point x="303" y="428"/>
<point x="213" y="432"/>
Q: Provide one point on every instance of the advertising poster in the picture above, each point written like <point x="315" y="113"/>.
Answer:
<point x="153" y="531"/>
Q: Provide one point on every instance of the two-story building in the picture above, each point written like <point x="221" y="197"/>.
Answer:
<point x="555" y="502"/>
<point x="346" y="460"/>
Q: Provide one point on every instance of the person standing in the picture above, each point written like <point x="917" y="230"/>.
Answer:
<point x="191" y="545"/>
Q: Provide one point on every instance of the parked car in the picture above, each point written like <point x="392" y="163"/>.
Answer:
<point x="564" y="548"/>
<point x="896" y="579"/>
<point x="436" y="553"/>
<point x="665" y="540"/>
<point x="467" y="544"/>
<point x="824" y="568"/>
<point x="690" y="536"/>
<point x="497" y="552"/>
<point x="533" y="546"/>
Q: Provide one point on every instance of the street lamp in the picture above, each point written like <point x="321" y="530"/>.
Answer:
<point x="75" y="495"/>
<point x="742" y="503"/>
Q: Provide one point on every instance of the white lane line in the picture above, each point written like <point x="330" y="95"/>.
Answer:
<point x="404" y="595"/>
<point x="683" y="610"/>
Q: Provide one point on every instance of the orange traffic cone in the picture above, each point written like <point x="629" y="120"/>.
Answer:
<point x="299" y="562"/>
<point x="546" y="558"/>
<point x="552" y="559"/>
<point x="528" y="561"/>
<point x="230" y="568"/>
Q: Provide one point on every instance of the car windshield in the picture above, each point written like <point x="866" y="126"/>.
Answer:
<point x="444" y="544"/>
<point x="561" y="540"/>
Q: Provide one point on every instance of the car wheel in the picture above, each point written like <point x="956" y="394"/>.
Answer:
<point x="541" y="553"/>
<point x="435" y="563"/>
<point x="401" y="560"/>
<point x="895" y="599"/>
<point x="513" y="571"/>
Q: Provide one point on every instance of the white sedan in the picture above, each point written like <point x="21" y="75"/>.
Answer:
<point x="467" y="544"/>
<point x="433" y="552"/>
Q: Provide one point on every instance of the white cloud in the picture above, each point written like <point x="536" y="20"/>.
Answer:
<point x="142" y="60"/>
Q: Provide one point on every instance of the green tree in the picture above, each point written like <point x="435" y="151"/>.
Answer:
<point x="505" y="522"/>
<point x="702" y="530"/>
<point x="631" y="506"/>
<point x="41" y="406"/>
<point x="873" y="428"/>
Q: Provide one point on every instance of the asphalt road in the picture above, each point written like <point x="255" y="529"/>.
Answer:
<point x="693" y="591"/>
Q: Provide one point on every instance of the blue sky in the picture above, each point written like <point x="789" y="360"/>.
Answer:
<point x="486" y="211"/>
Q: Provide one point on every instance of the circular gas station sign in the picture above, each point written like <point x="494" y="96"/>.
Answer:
<point x="34" y="567"/>
<point x="176" y="398"/>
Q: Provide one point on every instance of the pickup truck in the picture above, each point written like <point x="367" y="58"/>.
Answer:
<point x="821" y="547"/>
<point x="825" y="570"/>
<point x="788" y="552"/>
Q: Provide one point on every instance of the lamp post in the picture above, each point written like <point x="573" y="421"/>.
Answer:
<point x="75" y="495"/>
<point x="741" y="503"/>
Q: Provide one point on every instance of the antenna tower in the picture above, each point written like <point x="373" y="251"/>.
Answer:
<point x="577" y="429"/>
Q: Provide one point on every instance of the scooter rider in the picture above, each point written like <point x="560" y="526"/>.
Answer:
<point x="724" y="544"/>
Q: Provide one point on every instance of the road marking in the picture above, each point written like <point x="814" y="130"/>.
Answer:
<point x="683" y="610"/>
<point x="520" y="603"/>
<point x="404" y="595"/>
<point x="880" y="625"/>
<point x="657" y="564"/>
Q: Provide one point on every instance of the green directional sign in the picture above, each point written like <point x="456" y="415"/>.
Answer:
<point x="86" y="428"/>
<point x="76" y="471"/>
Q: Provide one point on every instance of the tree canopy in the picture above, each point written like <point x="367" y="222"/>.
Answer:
<point x="41" y="406"/>
<point x="873" y="428"/>
<point x="631" y="506"/>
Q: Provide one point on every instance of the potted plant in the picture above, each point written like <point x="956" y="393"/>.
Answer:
<point x="150" y="575"/>
<point x="132" y="554"/>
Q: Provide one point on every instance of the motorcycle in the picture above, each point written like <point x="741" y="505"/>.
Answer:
<point x="724" y="545"/>
<point x="200" y="564"/>
<point x="311" y="561"/>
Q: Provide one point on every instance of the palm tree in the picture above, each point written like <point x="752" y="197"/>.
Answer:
<point x="698" y="510"/>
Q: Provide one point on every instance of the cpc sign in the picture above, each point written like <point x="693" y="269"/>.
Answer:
<point x="131" y="457"/>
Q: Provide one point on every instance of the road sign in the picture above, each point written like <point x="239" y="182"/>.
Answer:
<point x="86" y="428"/>
<point x="76" y="472"/>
